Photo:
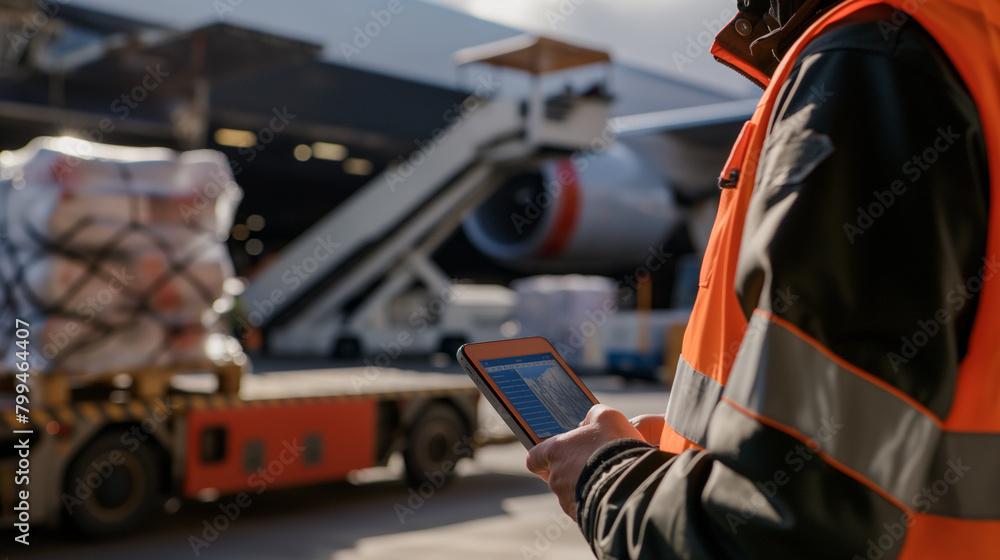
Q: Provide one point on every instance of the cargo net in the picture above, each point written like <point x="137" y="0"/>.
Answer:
<point x="116" y="260"/>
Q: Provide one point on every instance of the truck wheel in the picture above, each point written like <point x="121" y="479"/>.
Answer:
<point x="347" y="348"/>
<point x="110" y="489"/>
<point x="435" y="441"/>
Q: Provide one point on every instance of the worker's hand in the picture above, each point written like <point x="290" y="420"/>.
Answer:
<point x="650" y="426"/>
<point x="560" y="459"/>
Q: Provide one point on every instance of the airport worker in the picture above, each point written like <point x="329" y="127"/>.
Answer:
<point x="838" y="394"/>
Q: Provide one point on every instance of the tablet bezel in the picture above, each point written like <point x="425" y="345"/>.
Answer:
<point x="475" y="353"/>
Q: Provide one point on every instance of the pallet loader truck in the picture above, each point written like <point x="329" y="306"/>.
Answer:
<point x="103" y="463"/>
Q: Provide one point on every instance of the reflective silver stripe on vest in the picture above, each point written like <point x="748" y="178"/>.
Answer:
<point x="693" y="397"/>
<point x="863" y="426"/>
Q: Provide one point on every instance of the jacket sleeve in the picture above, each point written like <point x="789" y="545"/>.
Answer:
<point x="866" y="223"/>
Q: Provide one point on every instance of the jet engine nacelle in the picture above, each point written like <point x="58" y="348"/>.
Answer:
<point x="599" y="211"/>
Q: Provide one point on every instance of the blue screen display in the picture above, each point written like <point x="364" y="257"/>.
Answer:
<point x="541" y="391"/>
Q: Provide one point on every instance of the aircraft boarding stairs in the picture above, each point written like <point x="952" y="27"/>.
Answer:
<point x="380" y="240"/>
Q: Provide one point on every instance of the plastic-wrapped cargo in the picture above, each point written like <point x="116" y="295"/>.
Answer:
<point x="569" y="311"/>
<point x="644" y="344"/>
<point x="114" y="255"/>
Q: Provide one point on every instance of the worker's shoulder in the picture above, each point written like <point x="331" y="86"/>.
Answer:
<point x="891" y="35"/>
<point x="885" y="51"/>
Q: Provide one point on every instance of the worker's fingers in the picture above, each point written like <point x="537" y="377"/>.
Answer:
<point x="538" y="460"/>
<point x="594" y="412"/>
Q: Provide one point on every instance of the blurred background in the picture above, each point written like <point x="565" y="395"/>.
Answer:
<point x="246" y="239"/>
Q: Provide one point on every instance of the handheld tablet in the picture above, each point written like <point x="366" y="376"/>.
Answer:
<point x="529" y="385"/>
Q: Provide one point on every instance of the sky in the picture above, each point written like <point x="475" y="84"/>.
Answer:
<point x="415" y="38"/>
<point x="671" y="37"/>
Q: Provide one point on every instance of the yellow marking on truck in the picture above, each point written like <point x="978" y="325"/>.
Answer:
<point x="198" y="402"/>
<point x="40" y="417"/>
<point x="114" y="411"/>
<point x="90" y="412"/>
<point x="65" y="415"/>
<point x="137" y="410"/>
<point x="178" y="403"/>
<point x="160" y="409"/>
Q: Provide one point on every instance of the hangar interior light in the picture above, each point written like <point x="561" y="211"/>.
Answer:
<point x="329" y="151"/>
<point x="302" y="152"/>
<point x="235" y="138"/>
<point x="357" y="166"/>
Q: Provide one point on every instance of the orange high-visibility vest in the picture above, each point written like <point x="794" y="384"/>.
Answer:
<point x="968" y="31"/>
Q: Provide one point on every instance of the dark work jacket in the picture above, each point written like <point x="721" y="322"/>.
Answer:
<point x="881" y="202"/>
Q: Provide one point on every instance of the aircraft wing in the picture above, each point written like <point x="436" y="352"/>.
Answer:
<point x="683" y="119"/>
<point x="687" y="146"/>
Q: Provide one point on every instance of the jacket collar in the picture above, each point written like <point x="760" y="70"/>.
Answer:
<point x="754" y="42"/>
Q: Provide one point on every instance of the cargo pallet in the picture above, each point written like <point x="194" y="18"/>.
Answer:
<point x="147" y="383"/>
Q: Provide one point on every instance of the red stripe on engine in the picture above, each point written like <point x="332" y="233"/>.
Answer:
<point x="567" y="211"/>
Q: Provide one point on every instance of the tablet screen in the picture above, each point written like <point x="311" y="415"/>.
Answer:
<point x="541" y="391"/>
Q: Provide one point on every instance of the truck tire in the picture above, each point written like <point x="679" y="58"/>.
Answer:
<point x="435" y="441"/>
<point x="110" y="488"/>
